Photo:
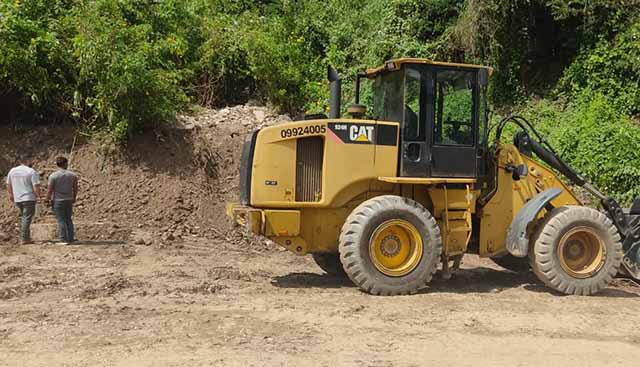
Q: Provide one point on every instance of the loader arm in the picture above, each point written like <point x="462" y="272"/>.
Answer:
<point x="628" y="224"/>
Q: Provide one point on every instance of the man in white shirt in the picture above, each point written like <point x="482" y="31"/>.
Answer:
<point x="23" y="184"/>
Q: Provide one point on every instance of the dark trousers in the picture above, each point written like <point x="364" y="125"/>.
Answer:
<point x="27" y="211"/>
<point x="64" y="210"/>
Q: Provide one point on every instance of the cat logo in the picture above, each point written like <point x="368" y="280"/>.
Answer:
<point x="361" y="133"/>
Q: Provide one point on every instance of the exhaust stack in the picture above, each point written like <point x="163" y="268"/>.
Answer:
<point x="335" y="92"/>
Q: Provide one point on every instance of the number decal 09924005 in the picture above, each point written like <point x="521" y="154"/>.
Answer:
<point x="300" y="131"/>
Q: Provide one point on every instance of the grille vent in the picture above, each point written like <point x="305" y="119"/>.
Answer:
<point x="309" y="156"/>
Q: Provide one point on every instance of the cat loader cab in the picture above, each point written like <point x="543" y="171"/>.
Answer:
<point x="442" y="110"/>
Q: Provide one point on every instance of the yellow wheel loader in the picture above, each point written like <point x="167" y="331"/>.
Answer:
<point x="391" y="198"/>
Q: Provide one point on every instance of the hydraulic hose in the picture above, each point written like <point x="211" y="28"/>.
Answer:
<point x="545" y="152"/>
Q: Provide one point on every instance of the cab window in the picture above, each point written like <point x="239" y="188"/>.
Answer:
<point x="387" y="99"/>
<point x="413" y="123"/>
<point x="454" y="107"/>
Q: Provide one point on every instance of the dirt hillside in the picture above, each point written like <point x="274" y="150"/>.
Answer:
<point x="169" y="183"/>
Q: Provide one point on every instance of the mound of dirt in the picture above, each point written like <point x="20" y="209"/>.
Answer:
<point x="167" y="183"/>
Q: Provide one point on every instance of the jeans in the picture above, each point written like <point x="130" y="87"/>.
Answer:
<point x="63" y="210"/>
<point x="27" y="211"/>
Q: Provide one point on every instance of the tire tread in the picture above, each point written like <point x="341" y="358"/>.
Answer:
<point x="352" y="258"/>
<point x="545" y="264"/>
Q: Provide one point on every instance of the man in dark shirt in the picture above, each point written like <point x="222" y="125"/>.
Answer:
<point x="63" y="190"/>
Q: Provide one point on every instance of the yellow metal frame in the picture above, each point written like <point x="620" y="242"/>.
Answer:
<point x="281" y="223"/>
<point x="426" y="181"/>
<point x="454" y="210"/>
<point x="248" y="217"/>
<point x="348" y="169"/>
<point x="353" y="173"/>
<point x="395" y="64"/>
<point x="316" y="227"/>
<point x="510" y="196"/>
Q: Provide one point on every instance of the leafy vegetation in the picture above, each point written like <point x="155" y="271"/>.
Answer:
<point x="596" y="139"/>
<point x="119" y="65"/>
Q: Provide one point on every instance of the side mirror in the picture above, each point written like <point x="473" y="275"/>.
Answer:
<point x="519" y="171"/>
<point x="483" y="77"/>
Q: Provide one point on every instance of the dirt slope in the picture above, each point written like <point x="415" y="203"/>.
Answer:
<point x="208" y="297"/>
<point x="171" y="182"/>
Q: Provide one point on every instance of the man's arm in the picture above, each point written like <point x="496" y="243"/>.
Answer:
<point x="10" y="190"/>
<point x="9" y="187"/>
<point x="36" y="191"/>
<point x="50" y="187"/>
<point x="49" y="192"/>
<point x="75" y="189"/>
<point x="35" y="182"/>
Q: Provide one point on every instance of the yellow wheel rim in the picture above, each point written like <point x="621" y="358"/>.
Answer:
<point x="581" y="252"/>
<point x="395" y="247"/>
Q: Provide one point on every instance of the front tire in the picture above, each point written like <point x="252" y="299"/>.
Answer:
<point x="390" y="245"/>
<point x="576" y="250"/>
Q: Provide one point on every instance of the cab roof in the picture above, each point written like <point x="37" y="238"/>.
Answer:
<point x="395" y="64"/>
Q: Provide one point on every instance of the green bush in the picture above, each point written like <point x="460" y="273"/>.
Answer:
<point x="603" y="144"/>
<point x="107" y="64"/>
<point x="35" y="55"/>
<point x="596" y="139"/>
<point x="128" y="64"/>
<point x="221" y="73"/>
<point x="118" y="65"/>
<point x="612" y="68"/>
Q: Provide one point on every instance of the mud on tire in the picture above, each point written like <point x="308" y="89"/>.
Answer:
<point x="576" y="250"/>
<point x="365" y="221"/>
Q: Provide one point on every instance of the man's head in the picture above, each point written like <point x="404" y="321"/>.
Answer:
<point x="62" y="162"/>
<point x="25" y="159"/>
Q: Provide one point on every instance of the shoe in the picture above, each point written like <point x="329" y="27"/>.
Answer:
<point x="63" y="243"/>
<point x="26" y="242"/>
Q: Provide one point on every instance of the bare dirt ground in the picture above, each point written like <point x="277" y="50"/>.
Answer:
<point x="160" y="279"/>
<point x="208" y="303"/>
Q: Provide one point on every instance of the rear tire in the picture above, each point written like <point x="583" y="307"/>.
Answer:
<point x="330" y="263"/>
<point x="515" y="264"/>
<point x="390" y="245"/>
<point x="576" y="250"/>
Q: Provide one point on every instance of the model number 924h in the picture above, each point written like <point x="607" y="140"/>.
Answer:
<point x="300" y="131"/>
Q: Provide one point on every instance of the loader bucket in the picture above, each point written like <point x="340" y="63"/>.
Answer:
<point x="631" y="243"/>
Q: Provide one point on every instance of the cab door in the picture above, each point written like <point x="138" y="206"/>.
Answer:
<point x="454" y="123"/>
<point x="415" y="160"/>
